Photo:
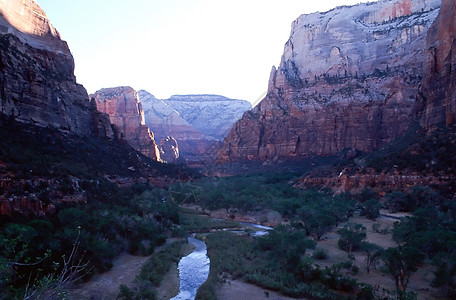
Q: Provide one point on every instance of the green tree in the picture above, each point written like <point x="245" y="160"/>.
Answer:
<point x="373" y="254"/>
<point x="351" y="236"/>
<point x="400" y="263"/>
<point x="445" y="274"/>
<point x="286" y="245"/>
<point x="371" y="209"/>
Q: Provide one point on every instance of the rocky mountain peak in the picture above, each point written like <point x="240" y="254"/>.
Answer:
<point x="124" y="109"/>
<point x="26" y="20"/>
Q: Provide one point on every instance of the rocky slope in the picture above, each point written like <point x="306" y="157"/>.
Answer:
<point x="167" y="123"/>
<point x="213" y="115"/>
<point x="125" y="111"/>
<point x="439" y="84"/>
<point x="348" y="79"/>
<point x="37" y="83"/>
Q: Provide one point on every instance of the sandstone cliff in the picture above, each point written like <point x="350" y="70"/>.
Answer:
<point x="37" y="83"/>
<point x="125" y="111"/>
<point x="167" y="123"/>
<point x="347" y="79"/>
<point x="213" y="115"/>
<point x="196" y="122"/>
<point x="439" y="84"/>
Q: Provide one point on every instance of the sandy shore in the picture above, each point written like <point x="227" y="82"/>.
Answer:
<point x="169" y="286"/>
<point x="105" y="286"/>
<point x="234" y="289"/>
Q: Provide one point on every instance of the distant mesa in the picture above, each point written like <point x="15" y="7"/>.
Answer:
<point x="196" y="122"/>
<point x="213" y="115"/>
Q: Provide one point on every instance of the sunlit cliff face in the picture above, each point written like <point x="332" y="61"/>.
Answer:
<point x="27" y="20"/>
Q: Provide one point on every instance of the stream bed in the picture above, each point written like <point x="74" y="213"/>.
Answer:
<point x="193" y="270"/>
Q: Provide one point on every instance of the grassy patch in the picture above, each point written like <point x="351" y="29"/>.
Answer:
<point x="269" y="265"/>
<point x="152" y="273"/>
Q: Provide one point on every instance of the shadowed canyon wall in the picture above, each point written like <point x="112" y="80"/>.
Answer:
<point x="37" y="82"/>
<point x="439" y="83"/>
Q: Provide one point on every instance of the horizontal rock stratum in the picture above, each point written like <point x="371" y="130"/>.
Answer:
<point x="125" y="111"/>
<point x="37" y="82"/>
<point x="348" y="78"/>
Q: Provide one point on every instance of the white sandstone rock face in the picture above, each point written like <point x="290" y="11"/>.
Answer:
<point x="358" y="39"/>
<point x="211" y="114"/>
<point x="166" y="121"/>
<point x="26" y="20"/>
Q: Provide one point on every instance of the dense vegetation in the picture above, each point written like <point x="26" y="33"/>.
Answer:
<point x="46" y="165"/>
<point x="128" y="222"/>
<point x="274" y="262"/>
<point x="315" y="210"/>
<point x="282" y="261"/>
<point x="97" y="221"/>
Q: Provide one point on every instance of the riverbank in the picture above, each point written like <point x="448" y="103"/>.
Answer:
<point x="235" y="289"/>
<point x="105" y="286"/>
<point x="266" y="217"/>
<point x="169" y="286"/>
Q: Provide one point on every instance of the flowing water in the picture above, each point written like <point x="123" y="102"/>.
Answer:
<point x="264" y="231"/>
<point x="193" y="270"/>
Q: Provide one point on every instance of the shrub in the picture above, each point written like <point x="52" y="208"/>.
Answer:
<point x="320" y="254"/>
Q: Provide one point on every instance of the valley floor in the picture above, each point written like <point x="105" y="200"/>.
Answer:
<point x="106" y="286"/>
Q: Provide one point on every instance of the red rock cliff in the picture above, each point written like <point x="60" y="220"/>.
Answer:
<point x="124" y="109"/>
<point x="348" y="79"/>
<point x="37" y="82"/>
<point x="439" y="84"/>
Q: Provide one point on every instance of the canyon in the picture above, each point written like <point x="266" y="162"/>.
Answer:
<point x="52" y="133"/>
<point x="197" y="122"/>
<point x="364" y="100"/>
<point x="348" y="79"/>
<point x="167" y="123"/>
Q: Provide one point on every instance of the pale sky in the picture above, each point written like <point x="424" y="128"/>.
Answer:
<point x="168" y="47"/>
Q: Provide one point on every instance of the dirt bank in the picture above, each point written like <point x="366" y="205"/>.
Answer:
<point x="105" y="286"/>
<point x="234" y="289"/>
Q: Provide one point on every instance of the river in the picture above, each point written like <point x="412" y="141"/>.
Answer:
<point x="193" y="270"/>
